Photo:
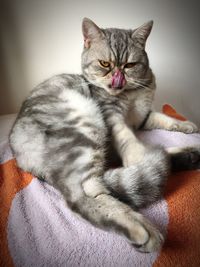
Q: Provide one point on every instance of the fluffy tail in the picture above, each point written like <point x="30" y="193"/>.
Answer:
<point x="143" y="183"/>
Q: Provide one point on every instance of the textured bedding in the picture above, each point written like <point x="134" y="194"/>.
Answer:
<point x="38" y="229"/>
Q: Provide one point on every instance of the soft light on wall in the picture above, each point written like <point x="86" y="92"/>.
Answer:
<point x="43" y="37"/>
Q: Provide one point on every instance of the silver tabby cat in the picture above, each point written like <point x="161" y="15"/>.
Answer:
<point x="67" y="125"/>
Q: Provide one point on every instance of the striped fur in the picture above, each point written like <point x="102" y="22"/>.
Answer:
<point x="68" y="124"/>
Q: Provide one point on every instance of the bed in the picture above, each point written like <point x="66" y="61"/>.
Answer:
<point x="38" y="229"/>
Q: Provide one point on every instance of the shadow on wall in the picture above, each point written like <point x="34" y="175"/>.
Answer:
<point x="12" y="80"/>
<point x="5" y="99"/>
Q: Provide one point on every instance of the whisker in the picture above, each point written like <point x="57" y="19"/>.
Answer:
<point x="143" y="80"/>
<point x="137" y="83"/>
<point x="141" y="84"/>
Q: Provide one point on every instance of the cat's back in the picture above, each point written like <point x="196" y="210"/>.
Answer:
<point x="53" y="100"/>
<point x="57" y="111"/>
<point x="55" y="95"/>
<point x="60" y="83"/>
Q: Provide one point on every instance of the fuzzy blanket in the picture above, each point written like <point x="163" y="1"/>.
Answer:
<point x="38" y="229"/>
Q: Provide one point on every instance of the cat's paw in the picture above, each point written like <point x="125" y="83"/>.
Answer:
<point x="133" y="225"/>
<point x="194" y="158"/>
<point x="184" y="126"/>
<point x="187" y="158"/>
<point x="150" y="239"/>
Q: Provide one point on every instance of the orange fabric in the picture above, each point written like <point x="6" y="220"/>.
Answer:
<point x="170" y="111"/>
<point x="182" y="247"/>
<point x="14" y="182"/>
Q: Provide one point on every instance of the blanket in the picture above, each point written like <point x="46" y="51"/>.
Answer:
<point x="37" y="228"/>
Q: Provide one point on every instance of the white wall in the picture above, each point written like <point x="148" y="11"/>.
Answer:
<point x="43" y="37"/>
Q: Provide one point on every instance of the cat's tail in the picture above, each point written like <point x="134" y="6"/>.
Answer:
<point x="144" y="182"/>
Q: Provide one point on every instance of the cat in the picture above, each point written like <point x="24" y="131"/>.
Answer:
<point x="68" y="123"/>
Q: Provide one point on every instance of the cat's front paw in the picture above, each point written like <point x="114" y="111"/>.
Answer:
<point x="185" y="127"/>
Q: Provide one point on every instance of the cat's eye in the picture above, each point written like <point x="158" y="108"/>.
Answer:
<point x="130" y="65"/>
<point x="104" y="64"/>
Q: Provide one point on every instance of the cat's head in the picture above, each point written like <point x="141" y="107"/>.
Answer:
<point x="115" y="59"/>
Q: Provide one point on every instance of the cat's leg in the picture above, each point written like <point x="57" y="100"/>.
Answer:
<point x="158" y="120"/>
<point x="129" y="148"/>
<point x="86" y="193"/>
<point x="109" y="213"/>
<point x="84" y="189"/>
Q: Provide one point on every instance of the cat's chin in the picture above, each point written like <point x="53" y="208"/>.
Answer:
<point x="114" y="91"/>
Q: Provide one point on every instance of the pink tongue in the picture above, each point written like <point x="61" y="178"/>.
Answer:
<point x="118" y="80"/>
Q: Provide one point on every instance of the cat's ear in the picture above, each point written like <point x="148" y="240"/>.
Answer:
<point x="90" y="32"/>
<point x="141" y="34"/>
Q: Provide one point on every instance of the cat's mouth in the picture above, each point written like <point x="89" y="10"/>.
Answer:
<point x="118" y="80"/>
<point x="119" y="88"/>
<point x="117" y="83"/>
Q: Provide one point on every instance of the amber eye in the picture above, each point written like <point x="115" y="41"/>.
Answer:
<point x="104" y="64"/>
<point x="129" y="65"/>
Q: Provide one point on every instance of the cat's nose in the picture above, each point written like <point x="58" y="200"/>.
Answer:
<point x="118" y="80"/>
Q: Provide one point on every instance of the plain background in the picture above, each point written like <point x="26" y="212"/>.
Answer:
<point x="40" y="38"/>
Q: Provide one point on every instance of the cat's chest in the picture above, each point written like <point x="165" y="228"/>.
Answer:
<point x="139" y="107"/>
